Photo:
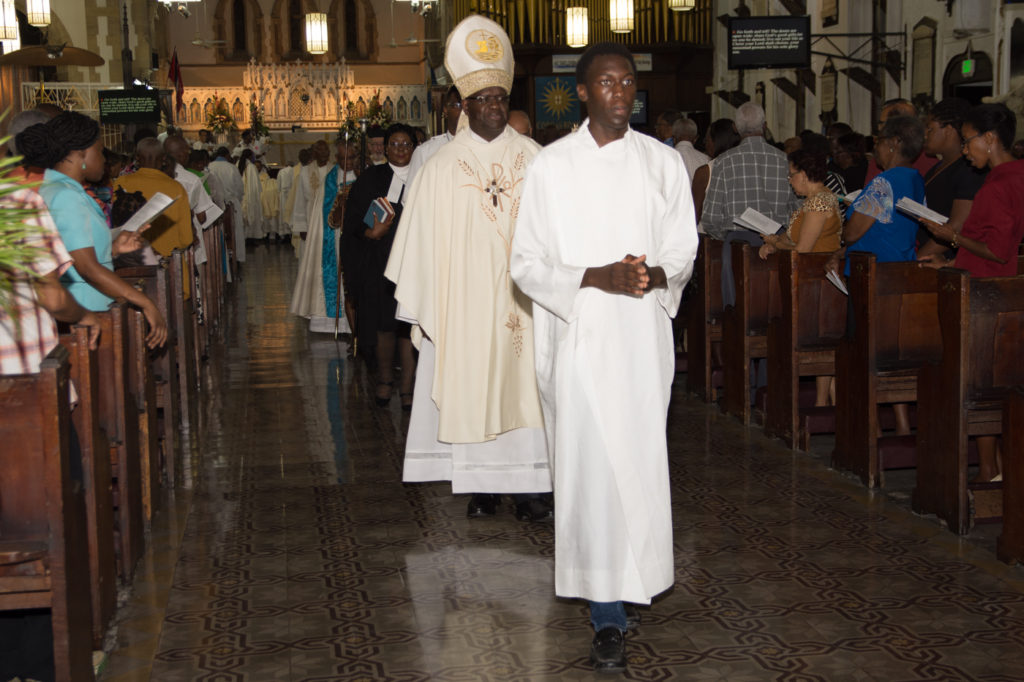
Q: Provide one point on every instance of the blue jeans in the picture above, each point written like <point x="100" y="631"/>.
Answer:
<point x="605" y="614"/>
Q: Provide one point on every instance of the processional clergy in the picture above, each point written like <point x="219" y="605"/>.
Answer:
<point x="476" y="417"/>
<point x="604" y="245"/>
<point x="318" y="294"/>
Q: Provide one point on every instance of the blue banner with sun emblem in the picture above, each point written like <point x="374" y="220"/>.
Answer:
<point x="556" y="100"/>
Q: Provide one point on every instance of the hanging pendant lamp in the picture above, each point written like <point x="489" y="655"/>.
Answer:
<point x="620" y="13"/>
<point x="316" y="33"/>
<point x="38" y="12"/>
<point x="8" y="21"/>
<point x="682" y="5"/>
<point x="576" y="26"/>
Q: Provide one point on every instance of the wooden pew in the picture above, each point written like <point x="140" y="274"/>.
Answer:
<point x="1010" y="545"/>
<point x="184" y="348"/>
<point x="704" y="320"/>
<point x="44" y="554"/>
<point x="143" y="389"/>
<point x="155" y="282"/>
<point x="802" y="341"/>
<point x="896" y="331"/>
<point x="119" y="418"/>
<point x="745" y="324"/>
<point x="982" y="330"/>
<point x="99" y="505"/>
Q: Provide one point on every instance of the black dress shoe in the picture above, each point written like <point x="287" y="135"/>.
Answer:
<point x="608" y="651"/>
<point x="534" y="509"/>
<point x="482" y="504"/>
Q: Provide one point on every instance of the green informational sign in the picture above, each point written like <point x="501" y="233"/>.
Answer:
<point x="967" y="67"/>
<point x="129" y="106"/>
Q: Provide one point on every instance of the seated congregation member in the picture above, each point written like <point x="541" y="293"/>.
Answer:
<point x="750" y="175"/>
<point x="873" y="224"/>
<point x="814" y="227"/>
<point x="720" y="138"/>
<point x="70" y="148"/>
<point x="991" y="235"/>
<point x="365" y="252"/>
<point x="849" y="159"/>
<point x="951" y="184"/>
<point x="172" y="229"/>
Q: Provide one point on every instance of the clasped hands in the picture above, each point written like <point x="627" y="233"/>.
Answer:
<point x="631" y="276"/>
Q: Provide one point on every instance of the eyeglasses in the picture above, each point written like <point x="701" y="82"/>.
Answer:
<point x="399" y="145"/>
<point x="454" y="105"/>
<point x="967" y="140"/>
<point x="489" y="99"/>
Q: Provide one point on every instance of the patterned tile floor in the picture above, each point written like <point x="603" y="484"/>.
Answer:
<point x="299" y="555"/>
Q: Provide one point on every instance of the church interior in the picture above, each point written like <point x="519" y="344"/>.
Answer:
<point x="243" y="514"/>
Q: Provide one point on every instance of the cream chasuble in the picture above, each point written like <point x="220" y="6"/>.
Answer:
<point x="480" y="425"/>
<point x="605" y="362"/>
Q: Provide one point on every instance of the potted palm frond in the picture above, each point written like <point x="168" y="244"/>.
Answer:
<point x="16" y="252"/>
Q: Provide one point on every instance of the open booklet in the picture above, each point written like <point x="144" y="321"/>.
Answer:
<point x="757" y="221"/>
<point x="911" y="207"/>
<point x="837" y="280"/>
<point x="152" y="209"/>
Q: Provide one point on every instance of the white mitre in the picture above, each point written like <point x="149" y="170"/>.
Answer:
<point x="478" y="55"/>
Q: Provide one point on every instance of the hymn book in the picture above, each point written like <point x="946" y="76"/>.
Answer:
<point x="151" y="210"/>
<point x="380" y="208"/>
<point x="918" y="210"/>
<point x="757" y="221"/>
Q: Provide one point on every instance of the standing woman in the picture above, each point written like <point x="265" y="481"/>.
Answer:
<point x="365" y="250"/>
<point x="70" y="149"/>
<point x="950" y="185"/>
<point x="992" y="233"/>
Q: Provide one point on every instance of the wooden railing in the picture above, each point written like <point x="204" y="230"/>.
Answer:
<point x="543" y="21"/>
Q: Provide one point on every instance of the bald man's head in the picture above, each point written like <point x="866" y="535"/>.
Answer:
<point x="177" y="148"/>
<point x="149" y="153"/>
<point x="520" y="122"/>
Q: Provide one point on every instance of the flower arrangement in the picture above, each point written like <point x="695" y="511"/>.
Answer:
<point x="220" y="119"/>
<point x="376" y="115"/>
<point x="258" y="127"/>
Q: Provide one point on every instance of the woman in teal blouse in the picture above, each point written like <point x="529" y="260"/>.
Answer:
<point x="70" y="148"/>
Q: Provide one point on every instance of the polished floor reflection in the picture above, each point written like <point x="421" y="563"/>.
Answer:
<point x="299" y="555"/>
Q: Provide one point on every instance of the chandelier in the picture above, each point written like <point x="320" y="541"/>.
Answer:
<point x="620" y="14"/>
<point x="316" y="33"/>
<point x="682" y="5"/>
<point x="576" y="26"/>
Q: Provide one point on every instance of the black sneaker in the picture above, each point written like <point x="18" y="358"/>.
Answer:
<point x="608" y="651"/>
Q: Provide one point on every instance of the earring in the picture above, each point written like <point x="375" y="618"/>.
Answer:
<point x="892" y="149"/>
<point x="83" y="166"/>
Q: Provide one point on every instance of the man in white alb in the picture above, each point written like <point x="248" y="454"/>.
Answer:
<point x="231" y="180"/>
<point x="476" y="417"/>
<point x="604" y="245"/>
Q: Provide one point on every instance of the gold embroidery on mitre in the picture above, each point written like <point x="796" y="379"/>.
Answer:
<point x="484" y="46"/>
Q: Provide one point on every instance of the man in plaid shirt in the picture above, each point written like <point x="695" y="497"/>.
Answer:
<point x="753" y="174"/>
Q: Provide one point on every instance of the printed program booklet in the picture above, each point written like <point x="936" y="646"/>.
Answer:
<point x="151" y="210"/>
<point x="918" y="210"/>
<point x="757" y="221"/>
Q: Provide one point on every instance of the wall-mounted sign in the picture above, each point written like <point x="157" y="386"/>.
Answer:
<point x="566" y="63"/>
<point x="769" y="42"/>
<point x="129" y="106"/>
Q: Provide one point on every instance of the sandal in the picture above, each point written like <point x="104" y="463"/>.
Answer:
<point x="383" y="401"/>
<point x="406" y="405"/>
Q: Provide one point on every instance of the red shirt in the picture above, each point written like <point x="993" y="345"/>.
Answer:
<point x="996" y="218"/>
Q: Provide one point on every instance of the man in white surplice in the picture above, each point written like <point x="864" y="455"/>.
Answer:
<point x="476" y="417"/>
<point x="234" y="189"/>
<point x="604" y="244"/>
